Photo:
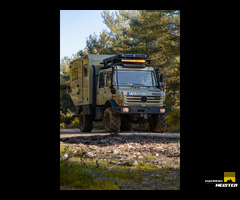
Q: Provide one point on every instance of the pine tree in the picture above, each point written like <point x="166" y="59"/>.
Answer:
<point x="65" y="100"/>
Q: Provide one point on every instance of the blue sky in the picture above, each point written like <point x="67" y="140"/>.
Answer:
<point x="76" y="26"/>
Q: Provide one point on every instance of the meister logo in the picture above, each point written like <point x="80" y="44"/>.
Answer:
<point x="229" y="177"/>
<point x="229" y="180"/>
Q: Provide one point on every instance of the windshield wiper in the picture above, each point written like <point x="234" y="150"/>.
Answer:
<point x="140" y="85"/>
<point x="124" y="84"/>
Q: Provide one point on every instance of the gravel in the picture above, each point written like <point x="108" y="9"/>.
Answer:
<point x="132" y="150"/>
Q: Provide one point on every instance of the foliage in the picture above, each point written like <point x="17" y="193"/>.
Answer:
<point x="65" y="99"/>
<point x="75" y="122"/>
<point x="173" y="120"/>
<point x="62" y="125"/>
<point x="68" y="121"/>
<point x="102" y="45"/>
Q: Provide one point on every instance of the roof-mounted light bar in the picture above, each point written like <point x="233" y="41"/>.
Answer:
<point x="135" y="61"/>
<point x="126" y="58"/>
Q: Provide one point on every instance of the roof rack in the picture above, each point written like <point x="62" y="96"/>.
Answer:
<point x="118" y="58"/>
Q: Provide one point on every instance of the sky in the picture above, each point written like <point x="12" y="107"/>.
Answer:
<point x="75" y="27"/>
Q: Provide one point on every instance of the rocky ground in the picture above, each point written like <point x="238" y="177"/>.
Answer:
<point x="156" y="159"/>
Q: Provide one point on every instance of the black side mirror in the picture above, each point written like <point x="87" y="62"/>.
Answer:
<point x="113" y="90"/>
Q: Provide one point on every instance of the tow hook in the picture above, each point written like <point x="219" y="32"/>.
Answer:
<point x="144" y="115"/>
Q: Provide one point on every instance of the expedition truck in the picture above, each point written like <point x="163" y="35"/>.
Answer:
<point x="118" y="89"/>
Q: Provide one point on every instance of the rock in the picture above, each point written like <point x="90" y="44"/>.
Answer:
<point x="140" y="157"/>
<point x="132" y="162"/>
<point x="157" y="154"/>
<point x="155" y="175"/>
<point x="113" y="162"/>
<point x="116" y="151"/>
<point x="64" y="156"/>
<point x="73" y="151"/>
<point x="173" y="167"/>
<point x="108" y="151"/>
<point x="90" y="154"/>
<point x="132" y="156"/>
<point x="121" y="158"/>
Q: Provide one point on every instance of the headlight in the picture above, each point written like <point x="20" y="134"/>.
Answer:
<point x="162" y="110"/>
<point x="125" y="109"/>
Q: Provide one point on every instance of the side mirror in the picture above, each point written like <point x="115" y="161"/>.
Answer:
<point x="113" y="90"/>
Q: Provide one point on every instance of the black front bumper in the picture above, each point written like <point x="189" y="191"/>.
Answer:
<point x="140" y="110"/>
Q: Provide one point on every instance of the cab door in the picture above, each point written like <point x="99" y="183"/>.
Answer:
<point x="107" y="90"/>
<point x="103" y="90"/>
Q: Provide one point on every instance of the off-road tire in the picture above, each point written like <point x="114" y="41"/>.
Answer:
<point x="85" y="122"/>
<point x="111" y="122"/>
<point x="125" y="125"/>
<point x="158" y="123"/>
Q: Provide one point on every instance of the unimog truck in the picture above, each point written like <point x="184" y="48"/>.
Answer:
<point x="118" y="90"/>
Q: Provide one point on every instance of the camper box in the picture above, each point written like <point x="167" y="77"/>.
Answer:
<point x="81" y="78"/>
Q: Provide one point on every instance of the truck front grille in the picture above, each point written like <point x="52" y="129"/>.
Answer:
<point x="137" y="99"/>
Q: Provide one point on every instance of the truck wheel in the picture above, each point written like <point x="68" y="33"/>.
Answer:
<point x="85" y="122"/>
<point x="111" y="122"/>
<point x="158" y="123"/>
<point x="125" y="125"/>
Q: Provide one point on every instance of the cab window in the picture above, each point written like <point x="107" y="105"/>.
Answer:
<point x="101" y="80"/>
<point x="108" y="79"/>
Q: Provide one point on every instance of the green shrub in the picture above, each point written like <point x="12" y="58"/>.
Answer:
<point x="75" y="122"/>
<point x="62" y="117"/>
<point x="62" y="125"/>
<point x="173" y="119"/>
<point x="67" y="120"/>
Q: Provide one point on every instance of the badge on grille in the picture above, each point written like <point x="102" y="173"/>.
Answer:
<point x="144" y="99"/>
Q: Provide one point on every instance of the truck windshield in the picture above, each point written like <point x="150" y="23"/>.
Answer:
<point x="136" y="78"/>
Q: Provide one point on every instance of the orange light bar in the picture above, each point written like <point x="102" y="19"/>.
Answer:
<point x="139" y="61"/>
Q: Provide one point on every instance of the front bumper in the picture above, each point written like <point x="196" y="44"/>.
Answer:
<point x="140" y="110"/>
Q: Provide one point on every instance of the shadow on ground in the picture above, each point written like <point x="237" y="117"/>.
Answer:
<point x="111" y="139"/>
